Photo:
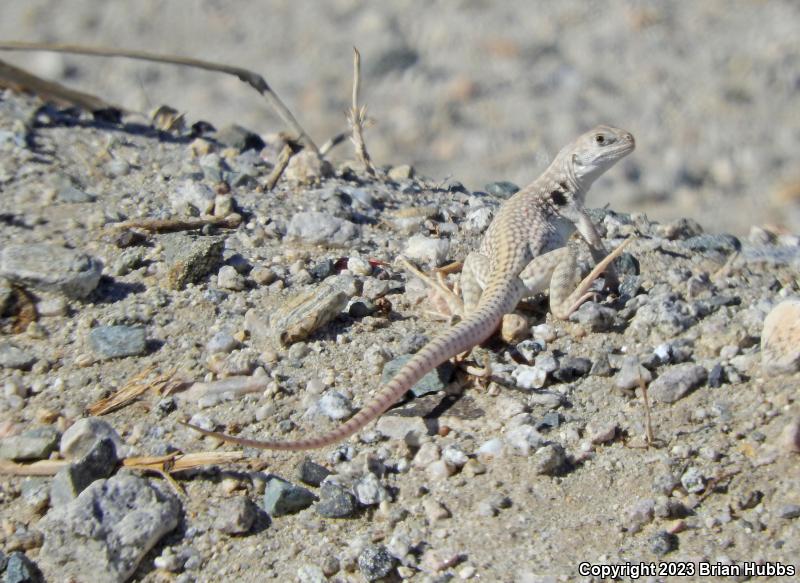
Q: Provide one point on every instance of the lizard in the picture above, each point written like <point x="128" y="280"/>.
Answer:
<point x="523" y="253"/>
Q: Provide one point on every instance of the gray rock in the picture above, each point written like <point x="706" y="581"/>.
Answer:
<point x="427" y="250"/>
<point x="236" y="515"/>
<point x="631" y="374"/>
<point x="595" y="317"/>
<point x="190" y="258"/>
<point x="222" y="343"/>
<point x="502" y="188"/>
<point x="708" y="243"/>
<point x="676" y="382"/>
<point x="118" y="341"/>
<point x="306" y="312"/>
<point x="335" y="501"/>
<point x="693" y="480"/>
<point x="13" y="357"/>
<point x="335" y="405"/>
<point x="549" y="460"/>
<point x="369" y="491"/>
<point x="663" y="542"/>
<point x="20" y="569"/>
<point x="318" y="228"/>
<point x="639" y="514"/>
<point x="36" y="494"/>
<point x="311" y="473"/>
<point x="434" y="381"/>
<point x="97" y="464"/>
<point x="192" y="197"/>
<point x="70" y="194"/>
<point x="572" y="368"/>
<point x="409" y="429"/>
<point x="789" y="511"/>
<point x="80" y="437"/>
<point x="229" y="278"/>
<point x="34" y="444"/>
<point x="375" y="562"/>
<point x="104" y="533"/>
<point x="282" y="497"/>
<point x="51" y="268"/>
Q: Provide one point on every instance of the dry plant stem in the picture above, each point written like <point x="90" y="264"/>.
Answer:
<point x="332" y="143"/>
<point x="15" y="78"/>
<point x="255" y="80"/>
<point x="357" y="116"/>
<point x="172" y="225"/>
<point x="40" y="468"/>
<point x="283" y="162"/>
<point x="647" y="417"/>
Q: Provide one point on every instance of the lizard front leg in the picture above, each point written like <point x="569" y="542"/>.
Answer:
<point x="557" y="272"/>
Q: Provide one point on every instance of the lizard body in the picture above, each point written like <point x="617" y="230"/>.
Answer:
<point x="523" y="253"/>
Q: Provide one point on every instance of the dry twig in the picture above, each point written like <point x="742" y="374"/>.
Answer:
<point x="183" y="224"/>
<point x="255" y="80"/>
<point x="283" y="161"/>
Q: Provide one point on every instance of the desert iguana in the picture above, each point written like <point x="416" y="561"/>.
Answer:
<point x="523" y="253"/>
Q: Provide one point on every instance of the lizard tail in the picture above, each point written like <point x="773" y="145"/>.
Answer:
<point x="495" y="301"/>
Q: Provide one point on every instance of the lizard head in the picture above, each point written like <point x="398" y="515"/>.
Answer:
<point x="598" y="150"/>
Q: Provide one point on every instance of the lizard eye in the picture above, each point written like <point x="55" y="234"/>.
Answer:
<point x="600" y="139"/>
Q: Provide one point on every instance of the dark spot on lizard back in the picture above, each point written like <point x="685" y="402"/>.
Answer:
<point x="557" y="195"/>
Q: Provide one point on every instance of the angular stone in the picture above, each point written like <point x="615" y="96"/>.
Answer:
<point x="189" y="258"/>
<point x="300" y="316"/>
<point x="676" y="382"/>
<point x="80" y="437"/>
<point x="20" y="569"/>
<point x="104" y="533"/>
<point x="14" y="357"/>
<point x="317" y="228"/>
<point x="311" y="473"/>
<point x="282" y="497"/>
<point x="236" y="515"/>
<point x="118" y="341"/>
<point x="51" y="268"/>
<point x="34" y="444"/>
<point x="434" y="381"/>
<point x="100" y="462"/>
<point x="335" y="501"/>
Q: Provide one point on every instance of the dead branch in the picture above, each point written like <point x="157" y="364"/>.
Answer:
<point x="283" y="161"/>
<point x="255" y="80"/>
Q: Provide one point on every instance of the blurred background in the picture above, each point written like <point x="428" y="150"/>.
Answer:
<point x="478" y="90"/>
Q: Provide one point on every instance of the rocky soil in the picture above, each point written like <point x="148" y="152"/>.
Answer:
<point x="279" y="320"/>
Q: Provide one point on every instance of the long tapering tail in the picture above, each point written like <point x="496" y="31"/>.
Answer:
<point x="496" y="301"/>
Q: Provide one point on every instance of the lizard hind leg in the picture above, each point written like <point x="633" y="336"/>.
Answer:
<point x="449" y="300"/>
<point x="567" y="290"/>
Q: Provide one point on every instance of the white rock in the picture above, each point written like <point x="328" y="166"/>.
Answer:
<point x="426" y="250"/>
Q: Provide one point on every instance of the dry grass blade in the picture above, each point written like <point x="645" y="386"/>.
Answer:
<point x="255" y="80"/>
<point x="183" y="224"/>
<point x="131" y="391"/>
<point x="166" y="465"/>
<point x="12" y="77"/>
<point x="357" y="117"/>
